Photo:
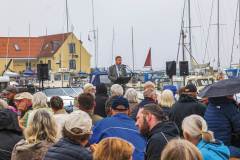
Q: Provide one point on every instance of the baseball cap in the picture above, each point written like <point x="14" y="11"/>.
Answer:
<point x="190" y="88"/>
<point x="80" y="120"/>
<point x="120" y="103"/>
<point x="23" y="95"/>
<point x="10" y="89"/>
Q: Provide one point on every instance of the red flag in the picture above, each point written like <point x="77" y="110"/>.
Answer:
<point x="148" y="62"/>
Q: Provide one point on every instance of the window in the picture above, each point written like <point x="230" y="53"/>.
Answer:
<point x="49" y="64"/>
<point x="17" y="48"/>
<point x="72" y="64"/>
<point x="55" y="45"/>
<point x="57" y="77"/>
<point x="71" y="47"/>
<point x="66" y="77"/>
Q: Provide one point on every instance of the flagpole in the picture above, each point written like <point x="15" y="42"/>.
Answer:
<point x="133" y="61"/>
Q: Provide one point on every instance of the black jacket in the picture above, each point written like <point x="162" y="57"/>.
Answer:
<point x="158" y="138"/>
<point x="65" y="149"/>
<point x="100" y="104"/>
<point x="185" y="106"/>
<point x="10" y="133"/>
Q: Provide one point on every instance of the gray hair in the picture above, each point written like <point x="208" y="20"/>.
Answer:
<point x="39" y="100"/>
<point x="116" y="90"/>
<point x="131" y="95"/>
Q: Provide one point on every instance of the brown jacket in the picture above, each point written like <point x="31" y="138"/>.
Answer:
<point x="26" y="151"/>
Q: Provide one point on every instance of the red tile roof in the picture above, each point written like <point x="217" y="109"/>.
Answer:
<point x="43" y="46"/>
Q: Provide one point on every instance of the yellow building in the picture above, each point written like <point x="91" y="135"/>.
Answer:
<point x="62" y="52"/>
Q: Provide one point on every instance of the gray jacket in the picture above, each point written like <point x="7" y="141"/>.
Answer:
<point x="113" y="74"/>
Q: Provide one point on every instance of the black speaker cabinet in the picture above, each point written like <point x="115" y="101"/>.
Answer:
<point x="42" y="72"/>
<point x="184" y="70"/>
<point x="171" y="68"/>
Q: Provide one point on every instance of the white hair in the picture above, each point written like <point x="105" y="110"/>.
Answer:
<point x="116" y="90"/>
<point x="195" y="126"/>
<point x="131" y="95"/>
<point x="166" y="99"/>
<point x="39" y="100"/>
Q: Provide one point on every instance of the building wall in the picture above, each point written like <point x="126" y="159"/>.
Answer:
<point x="17" y="65"/>
<point x="81" y="56"/>
<point x="63" y="56"/>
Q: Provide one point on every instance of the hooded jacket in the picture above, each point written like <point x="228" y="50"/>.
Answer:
<point x="185" y="106"/>
<point x="10" y="133"/>
<point x="223" y="118"/>
<point x="65" y="149"/>
<point x="158" y="137"/>
<point x="101" y="98"/>
<point x="213" y="151"/>
<point x="28" y="151"/>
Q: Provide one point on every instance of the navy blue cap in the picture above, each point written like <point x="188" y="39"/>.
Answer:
<point x="120" y="103"/>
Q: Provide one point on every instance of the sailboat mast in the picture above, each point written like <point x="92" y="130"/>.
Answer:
<point x="218" y="34"/>
<point x="94" y="34"/>
<point x="239" y="26"/>
<point x="133" y="61"/>
<point x="29" y="45"/>
<point x="190" y="27"/>
<point x="67" y="16"/>
<point x="7" y="48"/>
<point x="113" y="38"/>
<point x="183" y="45"/>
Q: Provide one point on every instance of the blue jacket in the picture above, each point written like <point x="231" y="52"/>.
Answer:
<point x="213" y="151"/>
<point x="223" y="119"/>
<point x="65" y="149"/>
<point x="121" y="126"/>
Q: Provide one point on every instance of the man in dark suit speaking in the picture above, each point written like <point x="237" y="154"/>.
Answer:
<point x="117" y="70"/>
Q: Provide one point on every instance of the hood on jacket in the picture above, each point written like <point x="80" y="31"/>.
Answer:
<point x="186" y="98"/>
<point x="23" y="145"/>
<point x="217" y="148"/>
<point x="101" y="89"/>
<point x="9" y="121"/>
<point x="168" y="128"/>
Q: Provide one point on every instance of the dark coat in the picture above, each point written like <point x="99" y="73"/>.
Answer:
<point x="112" y="73"/>
<point x="223" y="118"/>
<point x="10" y="133"/>
<point x="100" y="104"/>
<point x="185" y="106"/>
<point x="158" y="138"/>
<point x="144" y="102"/>
<point x="166" y="111"/>
<point x="65" y="149"/>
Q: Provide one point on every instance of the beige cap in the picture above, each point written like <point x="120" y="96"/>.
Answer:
<point x="23" y="95"/>
<point x="88" y="86"/>
<point x="81" y="120"/>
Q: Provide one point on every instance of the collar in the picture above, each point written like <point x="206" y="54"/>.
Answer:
<point x="121" y="115"/>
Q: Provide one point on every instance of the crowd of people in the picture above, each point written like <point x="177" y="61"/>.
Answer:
<point x="117" y="125"/>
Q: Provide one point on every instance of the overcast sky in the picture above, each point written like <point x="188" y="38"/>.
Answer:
<point x="156" y="24"/>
